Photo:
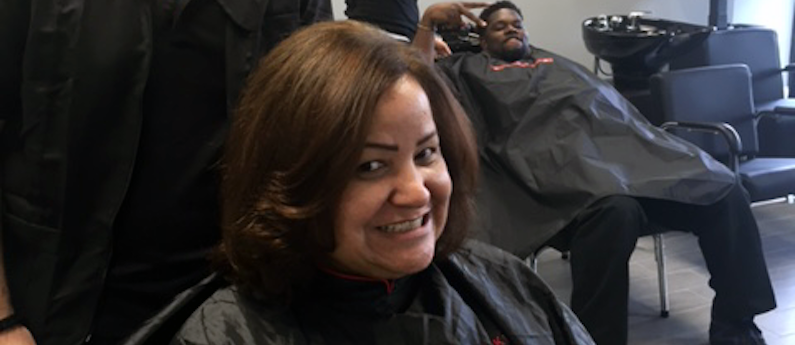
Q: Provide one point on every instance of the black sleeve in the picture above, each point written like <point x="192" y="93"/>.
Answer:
<point x="313" y="11"/>
<point x="14" y="21"/>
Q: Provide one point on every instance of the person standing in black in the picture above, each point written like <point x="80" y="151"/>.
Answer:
<point x="398" y="17"/>
<point x="113" y="116"/>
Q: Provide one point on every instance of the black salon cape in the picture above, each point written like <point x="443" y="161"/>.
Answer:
<point x="451" y="301"/>
<point x="553" y="138"/>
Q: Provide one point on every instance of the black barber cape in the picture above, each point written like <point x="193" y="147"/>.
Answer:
<point x="554" y="138"/>
<point x="480" y="295"/>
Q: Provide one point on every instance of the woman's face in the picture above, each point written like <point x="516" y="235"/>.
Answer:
<point x="395" y="207"/>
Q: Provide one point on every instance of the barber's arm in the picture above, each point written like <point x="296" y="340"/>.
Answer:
<point x="12" y="331"/>
<point x="13" y="24"/>
<point x="450" y="14"/>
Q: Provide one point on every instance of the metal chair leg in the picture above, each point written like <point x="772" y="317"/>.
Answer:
<point x="659" y="256"/>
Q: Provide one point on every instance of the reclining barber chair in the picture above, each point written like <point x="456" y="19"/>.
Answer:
<point x="713" y="107"/>
<point x="756" y="47"/>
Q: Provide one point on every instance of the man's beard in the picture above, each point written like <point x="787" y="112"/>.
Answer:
<point x="515" y="54"/>
<point x="509" y="54"/>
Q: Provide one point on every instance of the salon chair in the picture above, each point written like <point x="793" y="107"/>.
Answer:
<point x="756" y="47"/>
<point x="160" y="328"/>
<point x="713" y="107"/>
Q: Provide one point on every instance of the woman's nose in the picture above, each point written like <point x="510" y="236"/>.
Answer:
<point x="410" y="189"/>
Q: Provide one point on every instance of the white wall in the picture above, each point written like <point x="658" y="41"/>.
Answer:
<point x="775" y="14"/>
<point x="555" y="25"/>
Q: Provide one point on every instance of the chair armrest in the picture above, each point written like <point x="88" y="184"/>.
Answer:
<point x="724" y="129"/>
<point x="776" y="112"/>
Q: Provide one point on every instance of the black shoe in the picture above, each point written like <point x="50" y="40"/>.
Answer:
<point x="735" y="333"/>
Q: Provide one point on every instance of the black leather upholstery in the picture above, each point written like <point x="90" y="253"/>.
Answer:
<point x="723" y="94"/>
<point x="768" y="178"/>
<point x="756" y="47"/>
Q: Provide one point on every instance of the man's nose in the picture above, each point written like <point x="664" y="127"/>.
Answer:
<point x="410" y="189"/>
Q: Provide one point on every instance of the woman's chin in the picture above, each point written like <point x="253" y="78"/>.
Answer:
<point x="406" y="264"/>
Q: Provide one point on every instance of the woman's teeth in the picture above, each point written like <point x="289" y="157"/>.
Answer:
<point x="403" y="226"/>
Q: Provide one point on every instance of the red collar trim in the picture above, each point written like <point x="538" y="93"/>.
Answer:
<point x="499" y="340"/>
<point x="522" y="64"/>
<point x="389" y="284"/>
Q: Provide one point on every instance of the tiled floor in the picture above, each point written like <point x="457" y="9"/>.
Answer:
<point x="690" y="297"/>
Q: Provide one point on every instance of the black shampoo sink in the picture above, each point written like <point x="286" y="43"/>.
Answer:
<point x="636" y="46"/>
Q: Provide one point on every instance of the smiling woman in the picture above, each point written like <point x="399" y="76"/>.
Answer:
<point x="347" y="192"/>
<point x="395" y="207"/>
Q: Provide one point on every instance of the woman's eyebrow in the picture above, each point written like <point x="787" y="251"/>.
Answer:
<point x="426" y="138"/>
<point x="390" y="147"/>
<point x="381" y="146"/>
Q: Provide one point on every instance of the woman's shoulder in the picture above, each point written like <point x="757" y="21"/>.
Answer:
<point x="230" y="316"/>
<point x="481" y="262"/>
<point x="504" y="281"/>
<point x="474" y="251"/>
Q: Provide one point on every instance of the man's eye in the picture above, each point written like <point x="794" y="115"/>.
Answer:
<point x="369" y="167"/>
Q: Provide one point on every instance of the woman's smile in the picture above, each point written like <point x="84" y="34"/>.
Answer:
<point x="405" y="226"/>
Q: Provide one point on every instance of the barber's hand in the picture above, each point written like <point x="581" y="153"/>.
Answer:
<point x="452" y="14"/>
<point x="441" y="48"/>
<point x="17" y="336"/>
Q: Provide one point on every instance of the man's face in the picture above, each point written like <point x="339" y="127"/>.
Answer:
<point x="504" y="37"/>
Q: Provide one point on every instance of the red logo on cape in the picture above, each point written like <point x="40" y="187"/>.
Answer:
<point x="523" y="64"/>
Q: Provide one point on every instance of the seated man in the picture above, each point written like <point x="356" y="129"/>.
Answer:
<point x="568" y="161"/>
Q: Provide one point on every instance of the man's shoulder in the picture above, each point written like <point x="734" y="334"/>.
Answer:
<point x="457" y="58"/>
<point x="559" y="60"/>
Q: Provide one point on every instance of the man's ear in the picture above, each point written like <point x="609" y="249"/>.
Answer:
<point x="482" y="42"/>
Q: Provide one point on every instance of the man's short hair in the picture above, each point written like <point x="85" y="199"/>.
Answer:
<point x="488" y="11"/>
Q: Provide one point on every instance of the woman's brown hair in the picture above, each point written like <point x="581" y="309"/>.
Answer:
<point x="295" y="143"/>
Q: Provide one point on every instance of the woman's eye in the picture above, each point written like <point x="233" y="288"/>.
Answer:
<point x="426" y="155"/>
<point x="369" y="167"/>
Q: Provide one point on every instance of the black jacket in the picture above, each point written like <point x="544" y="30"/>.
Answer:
<point x="480" y="295"/>
<point x="72" y="75"/>
<point x="553" y="138"/>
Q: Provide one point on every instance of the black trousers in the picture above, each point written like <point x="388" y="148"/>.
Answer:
<point x="603" y="236"/>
